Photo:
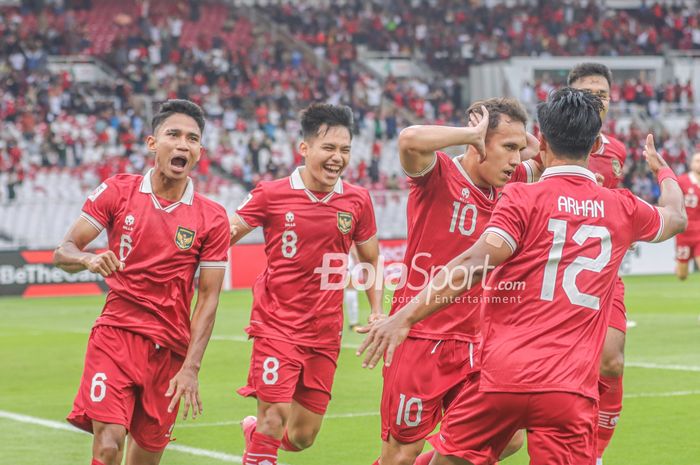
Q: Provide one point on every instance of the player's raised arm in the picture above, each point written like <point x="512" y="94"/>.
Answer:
<point x="457" y="276"/>
<point x="671" y="205"/>
<point x="368" y="252"/>
<point x="417" y="144"/>
<point x="70" y="257"/>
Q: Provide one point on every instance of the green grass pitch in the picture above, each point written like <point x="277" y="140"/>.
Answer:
<point x="42" y="344"/>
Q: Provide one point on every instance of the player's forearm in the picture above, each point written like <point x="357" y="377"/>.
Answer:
<point x="375" y="292"/>
<point x="426" y="139"/>
<point x="201" y="328"/>
<point x="70" y="258"/>
<point x="457" y="276"/>
<point x="671" y="200"/>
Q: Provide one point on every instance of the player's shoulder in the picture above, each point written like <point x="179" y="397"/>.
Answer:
<point x="124" y="180"/>
<point x="275" y="186"/>
<point x="209" y="205"/>
<point x="116" y="185"/>
<point x="615" y="147"/>
<point x="354" y="190"/>
<point x="684" y="178"/>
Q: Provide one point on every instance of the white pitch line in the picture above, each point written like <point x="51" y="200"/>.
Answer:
<point x="662" y="394"/>
<point x="659" y="366"/>
<point x="212" y="454"/>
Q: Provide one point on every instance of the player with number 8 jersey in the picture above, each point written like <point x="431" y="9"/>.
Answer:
<point x="310" y="220"/>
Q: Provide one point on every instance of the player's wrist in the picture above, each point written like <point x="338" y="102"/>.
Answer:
<point x="665" y="173"/>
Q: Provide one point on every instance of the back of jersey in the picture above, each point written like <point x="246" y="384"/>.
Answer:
<point x="546" y="309"/>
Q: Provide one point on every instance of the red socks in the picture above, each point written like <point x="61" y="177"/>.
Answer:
<point x="262" y="448"/>
<point x="287" y="444"/>
<point x="96" y="462"/>
<point x="425" y="458"/>
<point x="610" y="408"/>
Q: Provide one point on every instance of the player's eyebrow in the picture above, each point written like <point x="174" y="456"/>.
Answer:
<point x="179" y="131"/>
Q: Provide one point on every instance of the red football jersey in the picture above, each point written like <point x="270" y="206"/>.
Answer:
<point x="161" y="244"/>
<point x="300" y="229"/>
<point x="446" y="214"/>
<point x="546" y="309"/>
<point x="690" y="185"/>
<point x="609" y="161"/>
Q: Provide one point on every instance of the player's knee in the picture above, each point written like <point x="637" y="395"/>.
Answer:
<point x="612" y="364"/>
<point x="108" y="448"/>
<point x="514" y="445"/>
<point x="272" y="423"/>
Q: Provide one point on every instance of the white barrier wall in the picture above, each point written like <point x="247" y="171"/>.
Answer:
<point x="649" y="258"/>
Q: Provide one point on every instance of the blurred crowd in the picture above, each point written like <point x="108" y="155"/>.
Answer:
<point x="251" y="83"/>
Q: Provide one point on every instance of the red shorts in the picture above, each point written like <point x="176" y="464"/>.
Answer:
<point x="281" y="372"/>
<point x="618" y="317"/>
<point x="124" y="382"/>
<point x="422" y="381"/>
<point x="687" y="248"/>
<point x="561" y="427"/>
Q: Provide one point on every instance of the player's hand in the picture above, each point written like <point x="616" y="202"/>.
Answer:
<point x="184" y="384"/>
<point x="382" y="339"/>
<point x="532" y="149"/>
<point x="371" y="320"/>
<point x="654" y="160"/>
<point x="479" y="122"/>
<point x="600" y="179"/>
<point x="104" y="263"/>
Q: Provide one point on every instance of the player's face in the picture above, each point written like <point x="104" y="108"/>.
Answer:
<point x="177" y="144"/>
<point x="695" y="164"/>
<point x="597" y="85"/>
<point x="503" y="146"/>
<point x="327" y="155"/>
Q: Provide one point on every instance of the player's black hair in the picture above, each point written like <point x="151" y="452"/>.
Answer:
<point x="171" y="107"/>
<point x="497" y="107"/>
<point x="583" y="70"/>
<point x="570" y="122"/>
<point x="317" y="115"/>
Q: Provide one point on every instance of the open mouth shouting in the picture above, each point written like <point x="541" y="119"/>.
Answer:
<point x="332" y="169"/>
<point x="178" y="163"/>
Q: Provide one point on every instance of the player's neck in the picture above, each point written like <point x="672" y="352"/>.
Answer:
<point x="168" y="189"/>
<point x="470" y="164"/>
<point x="554" y="162"/>
<point x="311" y="184"/>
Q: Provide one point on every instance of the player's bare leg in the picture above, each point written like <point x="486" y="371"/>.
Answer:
<point x="108" y="442"/>
<point x="448" y="460"/>
<point x="612" y="365"/>
<point x="302" y="428"/>
<point x="399" y="453"/>
<point x="513" y="446"/>
<point x="272" y="418"/>
<point x="137" y="455"/>
<point x="682" y="270"/>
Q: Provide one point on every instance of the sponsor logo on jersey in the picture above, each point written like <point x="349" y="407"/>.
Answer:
<point x="96" y="193"/>
<point x="616" y="167"/>
<point x="184" y="238"/>
<point x="129" y="222"/>
<point x="289" y="220"/>
<point x="344" y="222"/>
<point x="465" y="193"/>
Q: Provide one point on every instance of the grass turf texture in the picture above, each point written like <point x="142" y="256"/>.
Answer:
<point x="42" y="344"/>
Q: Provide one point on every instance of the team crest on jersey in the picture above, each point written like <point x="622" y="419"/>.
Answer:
<point x="184" y="238"/>
<point x="344" y="222"/>
<point x="617" y="168"/>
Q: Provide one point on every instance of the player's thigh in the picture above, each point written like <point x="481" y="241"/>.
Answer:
<point x="106" y="392"/>
<point x="561" y="429"/>
<point x="136" y="455"/>
<point x="618" y="314"/>
<point x="395" y="452"/>
<point x="439" y="459"/>
<point x="275" y="368"/>
<point x="313" y="389"/>
<point x="303" y="425"/>
<point x="152" y="424"/>
<point x="478" y="426"/>
<point x="612" y="358"/>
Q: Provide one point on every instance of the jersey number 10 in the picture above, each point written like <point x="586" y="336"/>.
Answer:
<point x="459" y="218"/>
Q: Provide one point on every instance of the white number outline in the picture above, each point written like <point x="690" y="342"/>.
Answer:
<point x="270" y="370"/>
<point x="98" y="381"/>
<point x="289" y="241"/>
<point x="462" y="217"/>
<point x="404" y="411"/>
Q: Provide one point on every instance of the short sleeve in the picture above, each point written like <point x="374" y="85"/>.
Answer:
<point x="433" y="171"/>
<point x="100" y="205"/>
<point x="366" y="223"/>
<point x="214" y="253"/>
<point x="522" y="173"/>
<point x="252" y="211"/>
<point x="508" y="218"/>
<point x="647" y="221"/>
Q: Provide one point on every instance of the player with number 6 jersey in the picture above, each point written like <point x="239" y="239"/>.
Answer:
<point x="449" y="204"/>
<point x="688" y="243"/>
<point x="556" y="247"/>
<point x="310" y="220"/>
<point x="144" y="352"/>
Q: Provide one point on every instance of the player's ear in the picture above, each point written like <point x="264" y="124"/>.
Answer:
<point x="151" y="143"/>
<point x="597" y="144"/>
<point x="202" y="152"/>
<point x="303" y="148"/>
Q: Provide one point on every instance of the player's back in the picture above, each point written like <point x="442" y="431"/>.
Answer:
<point x="546" y="309"/>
